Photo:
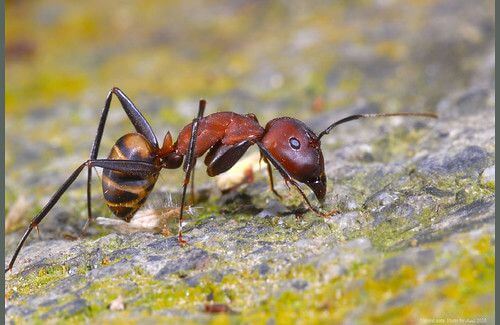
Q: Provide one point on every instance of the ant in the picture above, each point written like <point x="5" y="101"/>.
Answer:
<point x="135" y="161"/>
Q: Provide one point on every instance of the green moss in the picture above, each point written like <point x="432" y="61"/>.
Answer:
<point x="360" y="287"/>
<point x="392" y="50"/>
<point x="471" y="293"/>
<point x="390" y="232"/>
<point x="427" y="217"/>
<point x="114" y="244"/>
<point x="37" y="281"/>
<point x="466" y="190"/>
<point x="399" y="143"/>
<point x="490" y="185"/>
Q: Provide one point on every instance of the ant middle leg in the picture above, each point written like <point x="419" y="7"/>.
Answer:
<point x="192" y="192"/>
<point x="270" y="175"/>
<point x="138" y="121"/>
<point x="189" y="164"/>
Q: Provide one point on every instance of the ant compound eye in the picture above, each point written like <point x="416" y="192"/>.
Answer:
<point x="294" y="143"/>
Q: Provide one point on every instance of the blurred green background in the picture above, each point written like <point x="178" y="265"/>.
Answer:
<point x="271" y="58"/>
<point x="173" y="51"/>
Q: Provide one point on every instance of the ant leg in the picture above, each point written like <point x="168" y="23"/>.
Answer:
<point x="189" y="163"/>
<point x="193" y="195"/>
<point x="129" y="166"/>
<point x="271" y="181"/>
<point x="138" y="120"/>
<point x="36" y="220"/>
<point x="311" y="207"/>
<point x="290" y="180"/>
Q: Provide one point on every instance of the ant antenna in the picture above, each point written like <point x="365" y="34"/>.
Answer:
<point x="360" y="116"/>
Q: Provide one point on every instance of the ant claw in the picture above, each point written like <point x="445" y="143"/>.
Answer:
<point x="331" y="213"/>
<point x="182" y="242"/>
<point x="85" y="226"/>
<point x="38" y="232"/>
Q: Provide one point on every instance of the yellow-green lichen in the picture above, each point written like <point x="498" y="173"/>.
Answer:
<point x="335" y="300"/>
<point x="399" y="143"/>
<point x="36" y="282"/>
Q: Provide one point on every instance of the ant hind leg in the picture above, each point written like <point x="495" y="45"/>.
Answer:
<point x="138" y="121"/>
<point x="129" y="166"/>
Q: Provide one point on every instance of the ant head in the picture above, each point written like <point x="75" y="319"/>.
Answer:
<point x="298" y="150"/>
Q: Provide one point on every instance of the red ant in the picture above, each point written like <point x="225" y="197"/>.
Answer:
<point x="135" y="161"/>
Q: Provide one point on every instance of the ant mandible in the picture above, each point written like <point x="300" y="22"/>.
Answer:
<point x="135" y="161"/>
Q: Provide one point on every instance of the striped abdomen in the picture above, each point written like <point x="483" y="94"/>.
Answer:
<point x="125" y="193"/>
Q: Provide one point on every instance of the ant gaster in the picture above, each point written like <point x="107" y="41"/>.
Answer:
<point x="135" y="161"/>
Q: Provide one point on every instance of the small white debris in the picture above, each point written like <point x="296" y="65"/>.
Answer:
<point x="117" y="304"/>
<point x="488" y="175"/>
<point x="145" y="220"/>
<point x="241" y="173"/>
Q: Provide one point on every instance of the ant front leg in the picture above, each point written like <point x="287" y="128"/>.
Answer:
<point x="290" y="180"/>
<point x="127" y="166"/>
<point x="270" y="175"/>
<point x="189" y="163"/>
<point x="138" y="120"/>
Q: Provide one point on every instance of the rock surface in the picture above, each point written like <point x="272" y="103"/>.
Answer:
<point x="414" y="241"/>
